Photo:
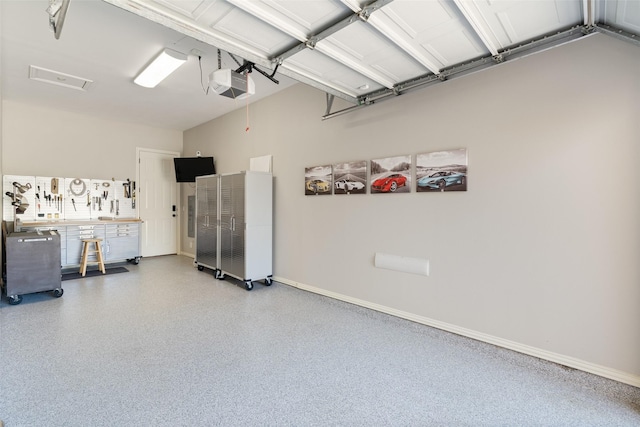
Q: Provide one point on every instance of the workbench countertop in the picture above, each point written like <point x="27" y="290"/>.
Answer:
<point x="65" y="222"/>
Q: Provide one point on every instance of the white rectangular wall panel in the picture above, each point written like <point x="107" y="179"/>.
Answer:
<point x="402" y="263"/>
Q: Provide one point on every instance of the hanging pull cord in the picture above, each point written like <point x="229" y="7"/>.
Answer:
<point x="247" y="92"/>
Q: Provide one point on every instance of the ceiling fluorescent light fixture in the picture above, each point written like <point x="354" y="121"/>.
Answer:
<point x="164" y="64"/>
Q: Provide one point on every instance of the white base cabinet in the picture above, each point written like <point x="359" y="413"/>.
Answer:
<point x="120" y="240"/>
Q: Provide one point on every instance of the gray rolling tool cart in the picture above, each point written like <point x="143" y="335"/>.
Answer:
<point x="32" y="264"/>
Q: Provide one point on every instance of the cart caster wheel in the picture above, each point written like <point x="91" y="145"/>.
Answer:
<point x="220" y="275"/>
<point x="136" y="261"/>
<point x="58" y="292"/>
<point x="15" y="299"/>
<point x="200" y="267"/>
<point x="268" y="281"/>
<point x="248" y="285"/>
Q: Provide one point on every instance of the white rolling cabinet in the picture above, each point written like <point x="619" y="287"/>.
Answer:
<point x="244" y="229"/>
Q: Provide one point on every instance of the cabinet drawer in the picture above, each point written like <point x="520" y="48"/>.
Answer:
<point x="79" y="232"/>
<point x="122" y="230"/>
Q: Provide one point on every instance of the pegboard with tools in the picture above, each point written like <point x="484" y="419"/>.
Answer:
<point x="52" y="198"/>
<point x="19" y="198"/>
<point x="78" y="194"/>
<point x="112" y="199"/>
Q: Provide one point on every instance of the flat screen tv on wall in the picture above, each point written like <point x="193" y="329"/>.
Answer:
<point x="187" y="168"/>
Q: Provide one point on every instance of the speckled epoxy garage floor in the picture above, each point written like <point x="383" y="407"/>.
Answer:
<point x="167" y="345"/>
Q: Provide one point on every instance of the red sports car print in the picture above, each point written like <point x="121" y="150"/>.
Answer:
<point x="389" y="183"/>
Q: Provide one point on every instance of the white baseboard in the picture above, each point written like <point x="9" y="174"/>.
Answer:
<point x="571" y="362"/>
<point x="187" y="254"/>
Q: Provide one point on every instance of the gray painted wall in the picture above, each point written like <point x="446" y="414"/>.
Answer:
<point x="45" y="142"/>
<point x="540" y="255"/>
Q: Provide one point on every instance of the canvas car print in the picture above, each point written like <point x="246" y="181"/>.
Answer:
<point x="317" y="180"/>
<point x="442" y="171"/>
<point x="391" y="175"/>
<point x="350" y="178"/>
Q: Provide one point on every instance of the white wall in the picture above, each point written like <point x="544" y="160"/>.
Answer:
<point x="1" y="56"/>
<point x="46" y="142"/>
<point x="540" y="255"/>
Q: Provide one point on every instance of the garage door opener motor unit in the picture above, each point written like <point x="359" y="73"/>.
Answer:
<point x="231" y="84"/>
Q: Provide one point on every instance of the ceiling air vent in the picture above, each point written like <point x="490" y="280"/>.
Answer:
<point x="57" y="78"/>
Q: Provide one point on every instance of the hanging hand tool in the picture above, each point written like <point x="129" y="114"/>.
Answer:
<point x="19" y="201"/>
<point x="133" y="196"/>
<point x="13" y="196"/>
<point x="22" y="188"/>
<point x="54" y="185"/>
<point x="127" y="189"/>
<point x="73" y="202"/>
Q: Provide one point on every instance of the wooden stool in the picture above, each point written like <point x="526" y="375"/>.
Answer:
<point x="86" y="244"/>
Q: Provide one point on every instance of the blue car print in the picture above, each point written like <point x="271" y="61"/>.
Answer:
<point x="440" y="180"/>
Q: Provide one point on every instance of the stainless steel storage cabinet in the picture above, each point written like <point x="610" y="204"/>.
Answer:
<point x="33" y="264"/>
<point x="207" y="221"/>
<point x="244" y="226"/>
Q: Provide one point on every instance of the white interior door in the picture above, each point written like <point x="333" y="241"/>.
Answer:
<point x="157" y="198"/>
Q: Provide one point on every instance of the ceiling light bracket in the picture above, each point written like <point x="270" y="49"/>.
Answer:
<point x="366" y="11"/>
<point x="330" y="99"/>
<point x="245" y="68"/>
<point x="269" y="76"/>
<point x="618" y="33"/>
<point x="364" y="14"/>
<point x="248" y="67"/>
<point x="57" y="11"/>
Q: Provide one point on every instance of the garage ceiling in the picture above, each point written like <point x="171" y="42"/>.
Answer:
<point x="360" y="51"/>
<point x="363" y="51"/>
